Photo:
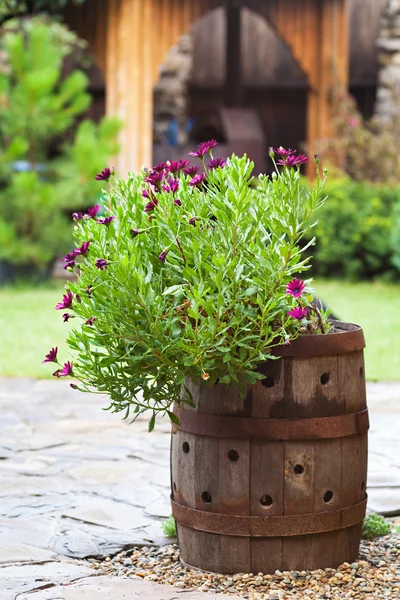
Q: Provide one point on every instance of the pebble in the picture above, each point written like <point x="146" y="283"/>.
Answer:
<point x="375" y="575"/>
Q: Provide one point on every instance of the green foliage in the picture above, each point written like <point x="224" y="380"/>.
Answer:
<point x="356" y="230"/>
<point x="197" y="291"/>
<point x="83" y="159"/>
<point x="375" y="526"/>
<point x="169" y="527"/>
<point x="37" y="106"/>
<point x="14" y="8"/>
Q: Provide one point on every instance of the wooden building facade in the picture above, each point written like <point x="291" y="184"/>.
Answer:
<point x="308" y="44"/>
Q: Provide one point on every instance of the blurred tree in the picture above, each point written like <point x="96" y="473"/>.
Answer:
<point x="37" y="106"/>
<point x="10" y="9"/>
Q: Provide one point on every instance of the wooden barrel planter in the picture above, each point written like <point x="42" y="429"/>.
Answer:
<point x="276" y="480"/>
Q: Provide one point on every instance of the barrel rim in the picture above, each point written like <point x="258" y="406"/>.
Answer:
<point x="347" y="338"/>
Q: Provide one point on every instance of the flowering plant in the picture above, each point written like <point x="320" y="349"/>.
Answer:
<point x="189" y="275"/>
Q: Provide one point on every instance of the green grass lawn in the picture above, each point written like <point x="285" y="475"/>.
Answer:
<point x="29" y="326"/>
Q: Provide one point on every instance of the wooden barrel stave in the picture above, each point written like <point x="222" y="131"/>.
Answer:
<point x="241" y="476"/>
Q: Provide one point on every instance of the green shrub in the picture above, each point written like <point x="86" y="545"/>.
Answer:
<point x="37" y="107"/>
<point x="356" y="231"/>
<point x="169" y="527"/>
<point x="375" y="526"/>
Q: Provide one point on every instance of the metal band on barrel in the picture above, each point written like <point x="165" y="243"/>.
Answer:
<point x="273" y="429"/>
<point x="269" y="526"/>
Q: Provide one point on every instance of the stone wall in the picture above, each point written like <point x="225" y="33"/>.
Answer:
<point x="388" y="43"/>
<point x="170" y="92"/>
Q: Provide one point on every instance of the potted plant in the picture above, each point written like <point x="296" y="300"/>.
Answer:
<point x="189" y="304"/>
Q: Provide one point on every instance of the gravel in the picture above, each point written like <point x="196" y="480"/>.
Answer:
<point x="376" y="574"/>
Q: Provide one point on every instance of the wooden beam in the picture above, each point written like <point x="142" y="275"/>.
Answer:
<point x="234" y="71"/>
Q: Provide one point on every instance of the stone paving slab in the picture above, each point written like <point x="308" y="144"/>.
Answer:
<point x="107" y="588"/>
<point x="76" y="481"/>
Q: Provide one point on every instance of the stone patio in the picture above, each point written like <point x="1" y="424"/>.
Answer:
<point x="78" y="482"/>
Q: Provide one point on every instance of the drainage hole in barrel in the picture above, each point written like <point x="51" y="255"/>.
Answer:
<point x="363" y="486"/>
<point x="361" y="371"/>
<point x="325" y="378"/>
<point x="185" y="447"/>
<point x="206" y="497"/>
<point x="233" y="455"/>
<point x="328" y="496"/>
<point x="266" y="501"/>
<point x="175" y="488"/>
<point x="299" y="469"/>
<point x="268" y="382"/>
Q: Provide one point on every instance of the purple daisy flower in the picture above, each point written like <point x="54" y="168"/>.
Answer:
<point x="177" y="165"/>
<point x="298" y="313"/>
<point x="163" y="256"/>
<point x="192" y="221"/>
<point x="104" y="175"/>
<point x="101" y="264"/>
<point x="66" y="317"/>
<point x="77" y="216"/>
<point x="282" y="152"/>
<point x="65" y="371"/>
<point x="173" y="186"/>
<point x="177" y="202"/>
<point x="162" y="166"/>
<point x="191" y="171"/>
<point x="66" y="301"/>
<point x="292" y="161"/>
<point x="295" y="288"/>
<point x="92" y="212"/>
<point x="151" y="205"/>
<point x="106" y="221"/>
<point x="51" y="356"/>
<point x="204" y="148"/>
<point x="215" y="163"/>
<point x="69" y="265"/>
<point x="155" y="178"/>
<point x="90" y="321"/>
<point x="197" y="180"/>
<point x="83" y="249"/>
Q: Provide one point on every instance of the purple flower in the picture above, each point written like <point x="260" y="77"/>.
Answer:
<point x="177" y="202"/>
<point x="69" y="265"/>
<point x="104" y="175"/>
<point x="92" y="212"/>
<point x="155" y="178"/>
<point x="197" y="180"/>
<point x="77" y="216"/>
<point x="69" y="257"/>
<point x="51" y="356"/>
<point x="204" y="148"/>
<point x="173" y="185"/>
<point x="83" y="249"/>
<point x="192" y="221"/>
<point x="282" y="152"/>
<point x="163" y="166"/>
<point x="216" y="162"/>
<point x="147" y="194"/>
<point x="191" y="171"/>
<point x="89" y="290"/>
<point x="295" y="288"/>
<point x="163" y="256"/>
<point x="177" y="165"/>
<point x="106" y="221"/>
<point x="65" y="371"/>
<point x="66" y="301"/>
<point x="135" y="232"/>
<point x="151" y="205"/>
<point x="298" y="313"/>
<point x="292" y="161"/>
<point x="90" y="321"/>
<point x="66" y="317"/>
<point x="101" y="264"/>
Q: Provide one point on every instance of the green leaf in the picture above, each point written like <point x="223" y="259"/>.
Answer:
<point x="173" y="418"/>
